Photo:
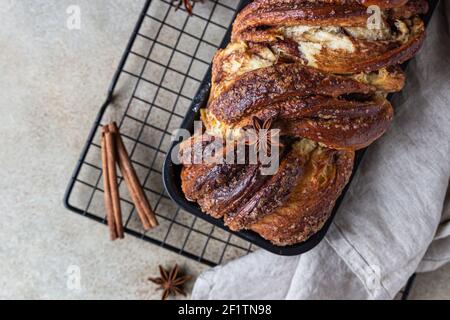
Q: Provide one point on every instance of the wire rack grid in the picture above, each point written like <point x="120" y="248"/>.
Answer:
<point x="163" y="65"/>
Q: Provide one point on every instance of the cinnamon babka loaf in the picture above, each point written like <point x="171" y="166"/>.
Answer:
<point x="319" y="71"/>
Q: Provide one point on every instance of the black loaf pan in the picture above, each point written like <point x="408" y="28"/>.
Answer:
<point x="172" y="179"/>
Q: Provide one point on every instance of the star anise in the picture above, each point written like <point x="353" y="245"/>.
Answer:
<point x="188" y="4"/>
<point x="171" y="282"/>
<point x="261" y="137"/>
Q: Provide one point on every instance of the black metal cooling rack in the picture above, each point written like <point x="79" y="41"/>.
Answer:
<point x="166" y="58"/>
<point x="164" y="62"/>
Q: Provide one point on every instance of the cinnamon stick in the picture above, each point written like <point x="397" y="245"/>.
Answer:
<point x="143" y="207"/>
<point x="107" y="192"/>
<point x="111" y="154"/>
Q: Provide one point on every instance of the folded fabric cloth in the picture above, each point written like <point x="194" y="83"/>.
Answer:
<point x="394" y="220"/>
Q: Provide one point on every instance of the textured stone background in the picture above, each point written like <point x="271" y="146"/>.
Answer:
<point x="52" y="83"/>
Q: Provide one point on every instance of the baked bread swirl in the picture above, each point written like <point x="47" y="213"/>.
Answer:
<point x="284" y="208"/>
<point x="324" y="30"/>
<point x="320" y="74"/>
<point x="339" y="112"/>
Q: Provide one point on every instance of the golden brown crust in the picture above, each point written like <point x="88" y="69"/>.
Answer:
<point x="239" y="58"/>
<point x="372" y="55"/>
<point x="256" y="89"/>
<point x="254" y="20"/>
<point x="220" y="188"/>
<point x="345" y="133"/>
<point x="357" y="125"/>
<point x="272" y="193"/>
<point x="258" y="21"/>
<point x="217" y="187"/>
<point x="299" y="196"/>
<point x="348" y="47"/>
<point x="337" y="111"/>
<point x="310" y="203"/>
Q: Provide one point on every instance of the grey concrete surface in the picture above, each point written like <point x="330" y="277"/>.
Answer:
<point x="52" y="82"/>
<point x="432" y="285"/>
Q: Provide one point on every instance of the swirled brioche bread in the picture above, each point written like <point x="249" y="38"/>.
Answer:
<point x="320" y="71"/>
